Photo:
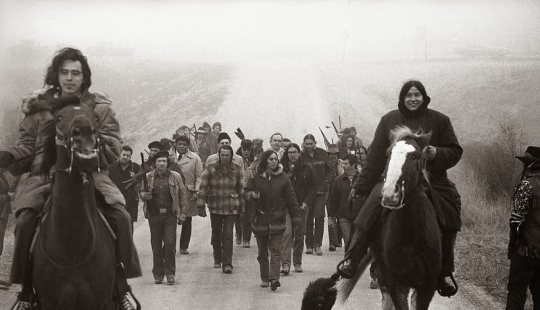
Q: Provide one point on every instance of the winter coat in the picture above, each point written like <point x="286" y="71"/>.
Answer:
<point x="321" y="168"/>
<point x="447" y="156"/>
<point x="192" y="169"/>
<point x="304" y="184"/>
<point x="276" y="196"/>
<point x="28" y="152"/>
<point x="338" y="199"/>
<point x="237" y="159"/>
<point x="222" y="189"/>
<point x="177" y="189"/>
<point x="117" y="175"/>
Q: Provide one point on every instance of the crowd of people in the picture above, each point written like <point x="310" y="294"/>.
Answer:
<point x="281" y="194"/>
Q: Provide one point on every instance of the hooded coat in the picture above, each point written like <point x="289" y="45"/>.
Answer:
<point x="276" y="196"/>
<point x="447" y="156"/>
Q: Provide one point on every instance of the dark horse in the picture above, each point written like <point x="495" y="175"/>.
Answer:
<point x="408" y="245"/>
<point x="74" y="252"/>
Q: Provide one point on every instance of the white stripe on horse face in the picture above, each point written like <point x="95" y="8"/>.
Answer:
<point x="395" y="166"/>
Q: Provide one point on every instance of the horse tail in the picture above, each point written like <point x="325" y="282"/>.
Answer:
<point x="346" y="286"/>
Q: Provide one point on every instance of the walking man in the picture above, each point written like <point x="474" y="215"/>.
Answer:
<point x="192" y="168"/>
<point x="165" y="200"/>
<point x="121" y="172"/>
<point x="222" y="188"/>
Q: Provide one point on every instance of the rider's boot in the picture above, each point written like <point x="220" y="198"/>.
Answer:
<point x="446" y="284"/>
<point x="356" y="250"/>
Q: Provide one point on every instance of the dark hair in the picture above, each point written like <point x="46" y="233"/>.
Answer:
<point x="182" y="138"/>
<point x="286" y="140"/>
<point x="216" y="124"/>
<point x="275" y="134"/>
<point x="127" y="148"/>
<point x="250" y="159"/>
<point x="263" y="160"/>
<point x="224" y="148"/>
<point x="364" y="148"/>
<point x="405" y="89"/>
<point x="344" y="141"/>
<point x="310" y="137"/>
<point x="285" y="161"/>
<point x="353" y="160"/>
<point x="68" y="53"/>
<point x="257" y="147"/>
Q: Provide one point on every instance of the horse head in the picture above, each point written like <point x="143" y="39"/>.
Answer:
<point x="74" y="137"/>
<point x="404" y="172"/>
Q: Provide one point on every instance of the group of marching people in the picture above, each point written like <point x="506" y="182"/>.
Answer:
<point x="280" y="194"/>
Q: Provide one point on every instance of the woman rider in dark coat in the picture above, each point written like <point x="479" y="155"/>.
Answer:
<point x="443" y="153"/>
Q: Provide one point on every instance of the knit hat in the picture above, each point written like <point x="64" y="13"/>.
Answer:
<point x="161" y="154"/>
<point x="332" y="149"/>
<point x="156" y="145"/>
<point x="223" y="135"/>
<point x="246" y="144"/>
<point x="532" y="155"/>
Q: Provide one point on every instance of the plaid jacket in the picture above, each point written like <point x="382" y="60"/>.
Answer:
<point x="222" y="189"/>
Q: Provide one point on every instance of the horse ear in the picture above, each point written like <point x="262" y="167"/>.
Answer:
<point x="423" y="140"/>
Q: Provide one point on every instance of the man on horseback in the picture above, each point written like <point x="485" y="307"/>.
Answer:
<point x="68" y="76"/>
<point x="443" y="153"/>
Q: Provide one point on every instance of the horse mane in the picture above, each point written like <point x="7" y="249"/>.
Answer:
<point x="49" y="148"/>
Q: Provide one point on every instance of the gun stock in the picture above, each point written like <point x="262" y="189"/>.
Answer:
<point x="145" y="182"/>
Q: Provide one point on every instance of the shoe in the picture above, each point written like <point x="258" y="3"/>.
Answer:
<point x="347" y="269"/>
<point x="298" y="268"/>
<point x="158" y="280"/>
<point x="374" y="284"/>
<point x="227" y="269"/>
<point x="309" y="251"/>
<point x="170" y="279"/>
<point x="318" y="251"/>
<point x="445" y="286"/>
<point x="246" y="244"/>
<point x="285" y="270"/>
<point x="217" y="265"/>
<point x="339" y="245"/>
<point x="332" y="248"/>
<point x="275" y="285"/>
<point x="265" y="284"/>
<point x="238" y="239"/>
<point x="184" y="252"/>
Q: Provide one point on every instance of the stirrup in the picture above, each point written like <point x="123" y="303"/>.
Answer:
<point x="127" y="304"/>
<point x="449" y="293"/>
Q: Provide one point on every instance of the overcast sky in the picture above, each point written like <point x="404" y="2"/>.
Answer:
<point x="268" y="30"/>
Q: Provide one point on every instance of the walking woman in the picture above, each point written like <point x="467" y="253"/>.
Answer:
<point x="305" y="187"/>
<point x="273" y="195"/>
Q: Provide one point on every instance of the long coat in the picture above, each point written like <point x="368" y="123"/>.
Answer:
<point x="192" y="168"/>
<point x="276" y="196"/>
<point x="28" y="152"/>
<point x="447" y="156"/>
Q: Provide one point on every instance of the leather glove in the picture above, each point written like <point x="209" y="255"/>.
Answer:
<point x="202" y="211"/>
<point x="145" y="196"/>
<point x="332" y="222"/>
<point x="5" y="159"/>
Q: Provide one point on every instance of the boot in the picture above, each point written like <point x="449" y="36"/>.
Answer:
<point x="446" y="284"/>
<point x="356" y="250"/>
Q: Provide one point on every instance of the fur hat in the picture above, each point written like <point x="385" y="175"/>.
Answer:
<point x="332" y="149"/>
<point x="246" y="144"/>
<point x="161" y="154"/>
<point x="532" y="155"/>
<point x="157" y="145"/>
<point x="223" y="135"/>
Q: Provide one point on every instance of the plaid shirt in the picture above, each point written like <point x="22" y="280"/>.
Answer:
<point x="222" y="189"/>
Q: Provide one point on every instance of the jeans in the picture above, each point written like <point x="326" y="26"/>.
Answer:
<point x="269" y="269"/>
<point x="524" y="273"/>
<point x="243" y="223"/>
<point x="222" y="238"/>
<point x="163" y="241"/>
<point x="294" y="241"/>
<point x="314" y="233"/>
<point x="185" y="233"/>
<point x="345" y="225"/>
